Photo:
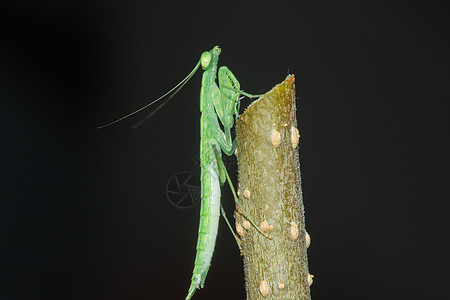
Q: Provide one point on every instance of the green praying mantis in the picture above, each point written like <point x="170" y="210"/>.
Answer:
<point x="217" y="103"/>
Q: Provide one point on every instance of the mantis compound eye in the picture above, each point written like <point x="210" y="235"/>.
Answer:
<point x="205" y="60"/>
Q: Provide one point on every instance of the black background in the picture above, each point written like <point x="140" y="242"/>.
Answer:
<point x="83" y="211"/>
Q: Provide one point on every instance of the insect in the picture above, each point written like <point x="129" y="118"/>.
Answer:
<point x="217" y="103"/>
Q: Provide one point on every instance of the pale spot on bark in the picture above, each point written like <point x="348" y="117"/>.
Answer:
<point x="264" y="288"/>
<point x="307" y="239"/>
<point x="264" y="226"/>
<point x="310" y="279"/>
<point x="276" y="138"/>
<point x="294" y="137"/>
<point x="239" y="229"/>
<point x="294" y="230"/>
<point x="246" y="224"/>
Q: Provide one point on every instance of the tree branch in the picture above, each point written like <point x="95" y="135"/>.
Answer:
<point x="270" y="192"/>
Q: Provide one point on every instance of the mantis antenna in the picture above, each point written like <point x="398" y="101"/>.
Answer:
<point x="175" y="89"/>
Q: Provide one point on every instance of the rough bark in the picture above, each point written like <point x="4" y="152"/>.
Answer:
<point x="270" y="193"/>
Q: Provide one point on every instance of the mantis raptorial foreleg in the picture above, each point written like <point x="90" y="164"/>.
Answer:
<point x="227" y="104"/>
